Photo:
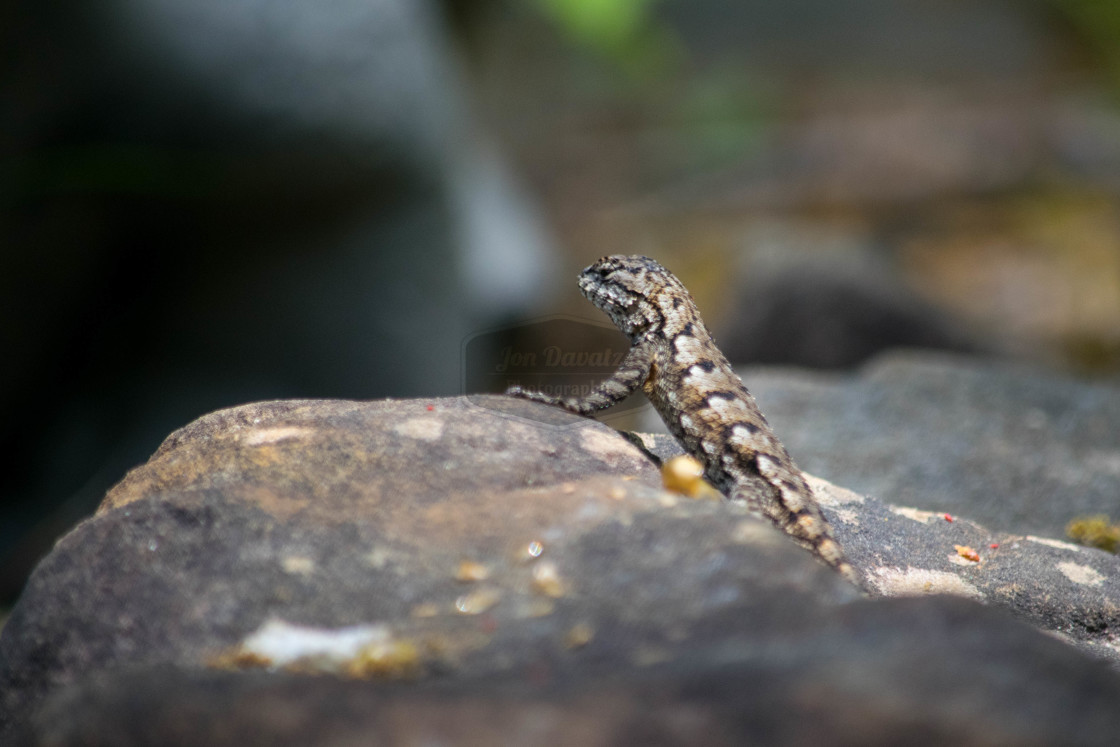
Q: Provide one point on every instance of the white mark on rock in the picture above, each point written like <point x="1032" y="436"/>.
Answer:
<point x="906" y="582"/>
<point x="845" y="515"/>
<point x="298" y="565"/>
<point x="379" y="557"/>
<point x="1054" y="543"/>
<point x="829" y="494"/>
<point x="754" y="533"/>
<point x="1103" y="461"/>
<point x="280" y="643"/>
<point x="1081" y="574"/>
<point x="423" y="429"/>
<point x="266" y="436"/>
<point x="922" y="517"/>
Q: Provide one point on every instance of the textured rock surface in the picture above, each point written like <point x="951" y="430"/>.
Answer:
<point x="914" y="671"/>
<point x="821" y="309"/>
<point x="1009" y="453"/>
<point x="645" y="614"/>
<point x="1071" y="591"/>
<point x="1018" y="450"/>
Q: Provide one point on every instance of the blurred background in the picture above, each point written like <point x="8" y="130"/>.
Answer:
<point x="214" y="202"/>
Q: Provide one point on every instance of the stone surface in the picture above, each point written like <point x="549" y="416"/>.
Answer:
<point x="643" y="614"/>
<point x="916" y="671"/>
<point x="1069" y="590"/>
<point x="338" y="513"/>
<point x="833" y="306"/>
<point x="1016" y="449"/>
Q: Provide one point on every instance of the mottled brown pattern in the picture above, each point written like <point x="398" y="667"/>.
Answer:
<point x="704" y="404"/>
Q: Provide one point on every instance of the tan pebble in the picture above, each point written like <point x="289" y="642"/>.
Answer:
<point x="478" y="602"/>
<point x="685" y="475"/>
<point x="541" y="607"/>
<point x="681" y="474"/>
<point x="298" y="565"/>
<point x="391" y="659"/>
<point x="470" y="571"/>
<point x="546" y="579"/>
<point x="238" y="658"/>
<point x="579" y="635"/>
<point x="967" y="553"/>
<point x="378" y="557"/>
<point x="424" y="609"/>
<point x="751" y="531"/>
<point x="645" y="657"/>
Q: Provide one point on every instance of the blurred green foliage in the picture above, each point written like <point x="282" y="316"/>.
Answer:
<point x="1098" y="22"/>
<point x="706" y="119"/>
<point x="603" y="23"/>
<point x="625" y="31"/>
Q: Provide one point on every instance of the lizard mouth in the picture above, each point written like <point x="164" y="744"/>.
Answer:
<point x="609" y="297"/>
<point x="602" y="293"/>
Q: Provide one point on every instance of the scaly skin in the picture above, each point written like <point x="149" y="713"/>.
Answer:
<point x="674" y="361"/>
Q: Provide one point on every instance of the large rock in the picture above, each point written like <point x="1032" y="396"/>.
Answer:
<point x="916" y="672"/>
<point x="1071" y="591"/>
<point x="1019" y="450"/>
<point x="1009" y="453"/>
<point x="827" y="309"/>
<point x="276" y="535"/>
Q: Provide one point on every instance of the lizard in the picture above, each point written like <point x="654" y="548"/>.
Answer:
<point x="673" y="359"/>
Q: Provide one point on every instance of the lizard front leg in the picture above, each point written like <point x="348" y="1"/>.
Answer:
<point x="631" y="374"/>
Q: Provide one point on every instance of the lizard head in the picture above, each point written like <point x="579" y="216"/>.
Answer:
<point x="637" y="293"/>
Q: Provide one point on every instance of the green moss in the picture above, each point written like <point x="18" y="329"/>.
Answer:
<point x="1095" y="531"/>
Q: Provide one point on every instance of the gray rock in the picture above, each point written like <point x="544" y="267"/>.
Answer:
<point x="916" y="671"/>
<point x="1071" y="591"/>
<point x="338" y="513"/>
<point x="646" y="615"/>
<point x="1016" y="449"/>
<point x="833" y="306"/>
